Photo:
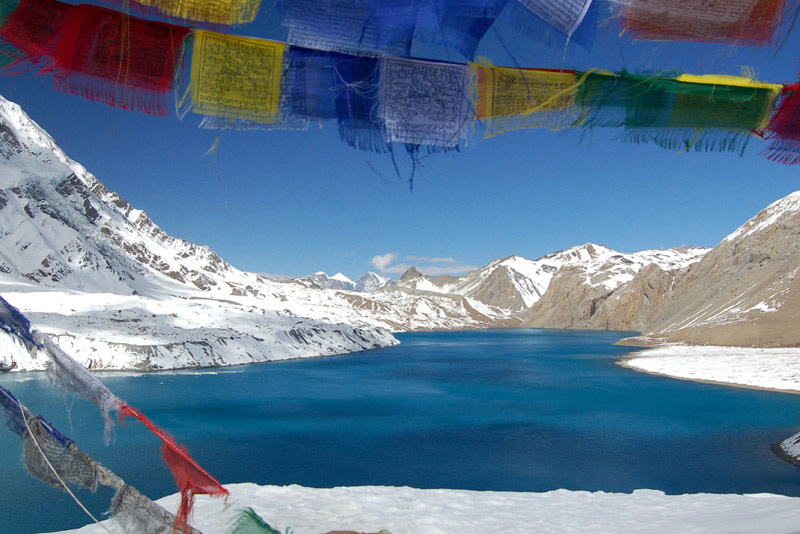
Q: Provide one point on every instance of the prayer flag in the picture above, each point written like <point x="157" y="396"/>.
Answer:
<point x="75" y="378"/>
<point x="784" y="129"/>
<point x="688" y="112"/>
<point x="510" y="98"/>
<point x="15" y="412"/>
<point x="54" y="459"/>
<point x="358" y="81"/>
<point x="747" y="22"/>
<point x="97" y="53"/>
<point x="250" y="522"/>
<point x="189" y="476"/>
<point x="136" y="514"/>
<point x="238" y="78"/>
<point x="311" y="83"/>
<point x="563" y="15"/>
<point x="389" y="26"/>
<point x="424" y="102"/>
<point x="15" y="324"/>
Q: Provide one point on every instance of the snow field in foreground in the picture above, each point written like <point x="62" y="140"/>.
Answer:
<point x="403" y="510"/>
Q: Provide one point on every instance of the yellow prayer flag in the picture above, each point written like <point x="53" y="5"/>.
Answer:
<point x="236" y="77"/>
<point x="516" y="91"/>
<point x="227" y="12"/>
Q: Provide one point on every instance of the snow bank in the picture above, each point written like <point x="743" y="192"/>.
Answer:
<point x="415" y="511"/>
<point x="777" y="368"/>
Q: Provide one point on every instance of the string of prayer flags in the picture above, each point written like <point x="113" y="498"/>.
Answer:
<point x="688" y="112"/>
<point x="225" y="12"/>
<point x="378" y="101"/>
<point x="424" y="102"/>
<point x="744" y="22"/>
<point x="509" y="99"/>
<point x="236" y="79"/>
<point x="98" y="53"/>
<point x="74" y="377"/>
<point x="56" y="460"/>
<point x="784" y="128"/>
<point x="189" y="476"/>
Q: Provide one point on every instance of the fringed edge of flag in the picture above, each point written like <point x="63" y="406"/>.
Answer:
<point x="113" y="94"/>
<point x="553" y="120"/>
<point x="689" y="139"/>
<point x="784" y="151"/>
<point x="364" y="138"/>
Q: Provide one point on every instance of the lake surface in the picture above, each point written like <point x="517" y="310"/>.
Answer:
<point x="519" y="410"/>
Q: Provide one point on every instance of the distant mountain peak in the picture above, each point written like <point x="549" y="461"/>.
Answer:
<point x="410" y="274"/>
<point x="341" y="278"/>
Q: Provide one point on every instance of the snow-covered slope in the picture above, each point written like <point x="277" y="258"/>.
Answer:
<point x="118" y="292"/>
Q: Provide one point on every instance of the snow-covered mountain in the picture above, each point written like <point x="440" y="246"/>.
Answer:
<point x="515" y="283"/>
<point x="321" y="280"/>
<point x="114" y="289"/>
<point x="117" y="291"/>
<point x="368" y="282"/>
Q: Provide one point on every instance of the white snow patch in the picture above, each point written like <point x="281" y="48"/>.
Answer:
<point x="342" y="278"/>
<point x="777" y="368"/>
<point x="403" y="510"/>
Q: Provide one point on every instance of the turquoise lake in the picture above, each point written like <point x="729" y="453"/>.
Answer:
<point x="519" y="410"/>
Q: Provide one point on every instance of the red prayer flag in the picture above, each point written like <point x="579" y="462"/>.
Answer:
<point x="98" y="53"/>
<point x="784" y="128"/>
<point x="747" y="22"/>
<point x="189" y="476"/>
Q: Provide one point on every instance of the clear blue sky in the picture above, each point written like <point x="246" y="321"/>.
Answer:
<point x="296" y="202"/>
